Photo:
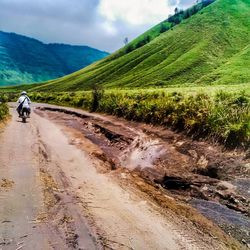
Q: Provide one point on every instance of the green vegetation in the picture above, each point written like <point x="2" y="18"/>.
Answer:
<point x="223" y="115"/>
<point x="26" y="60"/>
<point x="210" y="47"/>
<point x="4" y="110"/>
<point x="166" y="25"/>
<point x="193" y="77"/>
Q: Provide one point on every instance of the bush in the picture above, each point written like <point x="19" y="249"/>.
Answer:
<point x="224" y="117"/>
<point x="4" y="111"/>
<point x="97" y="94"/>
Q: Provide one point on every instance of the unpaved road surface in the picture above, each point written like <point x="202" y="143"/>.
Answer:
<point x="64" y="186"/>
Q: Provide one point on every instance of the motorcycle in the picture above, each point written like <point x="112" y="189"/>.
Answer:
<point x="25" y="113"/>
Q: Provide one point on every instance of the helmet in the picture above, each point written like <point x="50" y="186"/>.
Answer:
<point x="24" y="93"/>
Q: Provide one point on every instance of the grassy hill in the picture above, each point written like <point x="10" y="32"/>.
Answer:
<point x="211" y="46"/>
<point x="26" y="60"/>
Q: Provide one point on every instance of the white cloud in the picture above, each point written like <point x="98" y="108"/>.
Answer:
<point x="109" y="28"/>
<point x="102" y="24"/>
<point x="135" y="12"/>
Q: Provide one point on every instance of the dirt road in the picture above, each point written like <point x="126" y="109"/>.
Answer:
<point x="58" y="191"/>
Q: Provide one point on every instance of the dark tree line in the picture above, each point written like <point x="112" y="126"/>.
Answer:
<point x="184" y="14"/>
<point x="141" y="43"/>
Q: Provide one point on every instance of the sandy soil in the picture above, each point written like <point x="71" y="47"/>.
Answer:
<point x="57" y="193"/>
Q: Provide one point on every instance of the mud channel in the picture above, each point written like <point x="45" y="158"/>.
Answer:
<point x="213" y="180"/>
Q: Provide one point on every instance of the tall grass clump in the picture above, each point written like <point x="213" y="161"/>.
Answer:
<point x="97" y="93"/>
<point x="221" y="116"/>
<point x="4" y="109"/>
<point x="224" y="117"/>
<point x="230" y="117"/>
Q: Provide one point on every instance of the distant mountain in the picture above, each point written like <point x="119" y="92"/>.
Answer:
<point x="207" y="44"/>
<point x="27" y="60"/>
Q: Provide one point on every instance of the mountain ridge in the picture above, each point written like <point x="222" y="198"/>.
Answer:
<point x="25" y="59"/>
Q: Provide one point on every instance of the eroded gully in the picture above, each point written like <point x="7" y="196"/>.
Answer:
<point x="58" y="191"/>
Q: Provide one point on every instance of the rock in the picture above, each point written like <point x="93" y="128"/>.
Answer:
<point x="202" y="162"/>
<point x="247" y="166"/>
<point x="224" y="185"/>
<point x="247" y="154"/>
<point x="193" y="154"/>
<point x="180" y="143"/>
<point x="205" y="188"/>
<point x="123" y="176"/>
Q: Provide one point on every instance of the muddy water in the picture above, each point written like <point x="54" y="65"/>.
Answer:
<point x="243" y="186"/>
<point x="142" y="153"/>
<point x="231" y="221"/>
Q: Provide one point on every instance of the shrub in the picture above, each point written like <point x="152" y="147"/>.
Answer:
<point x="225" y="117"/>
<point x="97" y="94"/>
<point x="4" y="111"/>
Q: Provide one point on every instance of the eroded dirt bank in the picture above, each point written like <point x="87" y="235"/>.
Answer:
<point x="80" y="181"/>
<point x="213" y="180"/>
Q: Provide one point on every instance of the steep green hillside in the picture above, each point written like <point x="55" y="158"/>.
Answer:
<point x="208" y="47"/>
<point x="26" y="60"/>
<point x="164" y="26"/>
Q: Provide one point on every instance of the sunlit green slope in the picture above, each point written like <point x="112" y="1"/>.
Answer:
<point x="211" y="46"/>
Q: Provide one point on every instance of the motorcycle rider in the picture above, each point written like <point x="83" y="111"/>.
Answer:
<point x="23" y="102"/>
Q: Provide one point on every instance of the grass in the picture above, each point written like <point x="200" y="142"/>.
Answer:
<point x="193" y="78"/>
<point x="218" y="113"/>
<point x="210" y="47"/>
<point x="164" y="26"/>
<point x="4" y="109"/>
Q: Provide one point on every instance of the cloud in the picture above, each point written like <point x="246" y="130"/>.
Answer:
<point x="139" y="12"/>
<point x="185" y="3"/>
<point x="109" y="28"/>
<point x="102" y="24"/>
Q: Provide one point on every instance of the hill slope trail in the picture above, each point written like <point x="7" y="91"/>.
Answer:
<point x="53" y="196"/>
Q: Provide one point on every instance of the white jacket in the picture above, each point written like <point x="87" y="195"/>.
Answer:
<point x="26" y="103"/>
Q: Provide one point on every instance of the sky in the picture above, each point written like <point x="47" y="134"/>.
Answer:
<point x="101" y="24"/>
